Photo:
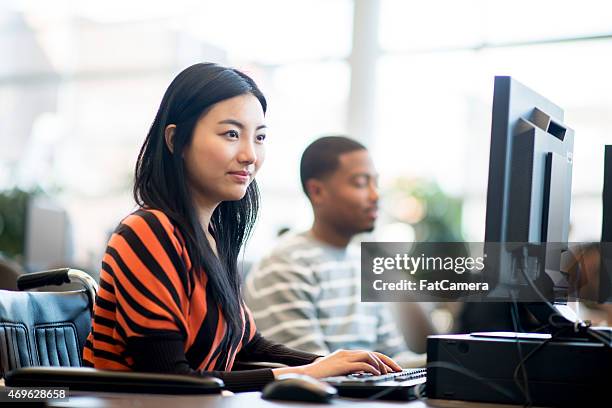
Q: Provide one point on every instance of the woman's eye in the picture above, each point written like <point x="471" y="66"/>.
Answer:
<point x="260" y="138"/>
<point x="232" y="133"/>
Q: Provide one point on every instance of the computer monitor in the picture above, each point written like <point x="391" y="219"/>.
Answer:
<point x="528" y="206"/>
<point x="528" y="197"/>
<point x="604" y="288"/>
<point x="48" y="238"/>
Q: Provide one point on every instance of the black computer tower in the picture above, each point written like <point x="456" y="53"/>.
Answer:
<point x="482" y="367"/>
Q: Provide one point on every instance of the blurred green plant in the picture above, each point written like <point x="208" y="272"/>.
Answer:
<point x="434" y="215"/>
<point x="13" y="209"/>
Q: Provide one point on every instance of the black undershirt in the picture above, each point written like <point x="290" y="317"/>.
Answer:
<point x="165" y="354"/>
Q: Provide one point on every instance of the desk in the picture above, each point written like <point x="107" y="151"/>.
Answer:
<point x="241" y="400"/>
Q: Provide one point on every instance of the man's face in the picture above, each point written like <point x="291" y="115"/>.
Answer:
<point x="348" y="198"/>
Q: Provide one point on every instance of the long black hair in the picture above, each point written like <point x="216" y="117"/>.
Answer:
<point x="161" y="183"/>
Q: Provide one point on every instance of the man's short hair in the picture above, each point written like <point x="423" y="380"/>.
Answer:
<point x="321" y="157"/>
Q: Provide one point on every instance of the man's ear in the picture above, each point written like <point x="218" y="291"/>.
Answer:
<point x="169" y="136"/>
<point x="316" y="191"/>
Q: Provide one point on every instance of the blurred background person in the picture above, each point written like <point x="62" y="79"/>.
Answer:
<point x="306" y="291"/>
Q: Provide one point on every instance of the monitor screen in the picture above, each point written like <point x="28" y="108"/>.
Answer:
<point x="47" y="235"/>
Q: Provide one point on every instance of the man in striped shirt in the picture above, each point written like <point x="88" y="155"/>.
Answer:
<point x="306" y="292"/>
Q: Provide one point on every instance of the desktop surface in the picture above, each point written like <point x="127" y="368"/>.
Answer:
<point x="241" y="400"/>
<point x="227" y="400"/>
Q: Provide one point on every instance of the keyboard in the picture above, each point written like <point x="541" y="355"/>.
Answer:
<point x="405" y="385"/>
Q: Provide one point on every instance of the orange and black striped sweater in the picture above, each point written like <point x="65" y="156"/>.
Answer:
<point x="153" y="313"/>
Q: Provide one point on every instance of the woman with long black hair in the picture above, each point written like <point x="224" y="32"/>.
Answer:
<point x="170" y="297"/>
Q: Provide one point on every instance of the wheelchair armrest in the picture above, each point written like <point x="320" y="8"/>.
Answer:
<point x="45" y="278"/>
<point x="89" y="379"/>
<point x="58" y="277"/>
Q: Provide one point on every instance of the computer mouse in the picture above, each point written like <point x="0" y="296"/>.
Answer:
<point x="295" y="387"/>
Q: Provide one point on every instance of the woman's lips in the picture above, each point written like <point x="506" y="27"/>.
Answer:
<point x="240" y="176"/>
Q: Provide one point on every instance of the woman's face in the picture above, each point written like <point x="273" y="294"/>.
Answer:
<point x="226" y="150"/>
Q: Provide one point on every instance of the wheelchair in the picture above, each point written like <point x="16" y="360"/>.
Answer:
<point x="42" y="335"/>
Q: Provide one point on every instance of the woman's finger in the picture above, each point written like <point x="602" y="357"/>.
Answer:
<point x="389" y="362"/>
<point x="365" y="367"/>
<point x="368" y="357"/>
<point x="382" y="367"/>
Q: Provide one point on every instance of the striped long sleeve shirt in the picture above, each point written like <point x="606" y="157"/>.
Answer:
<point x="306" y="294"/>
<point x="155" y="312"/>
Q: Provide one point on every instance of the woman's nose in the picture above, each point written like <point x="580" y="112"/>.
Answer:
<point x="247" y="153"/>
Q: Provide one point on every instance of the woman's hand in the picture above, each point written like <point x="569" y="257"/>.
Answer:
<point x="344" y="362"/>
